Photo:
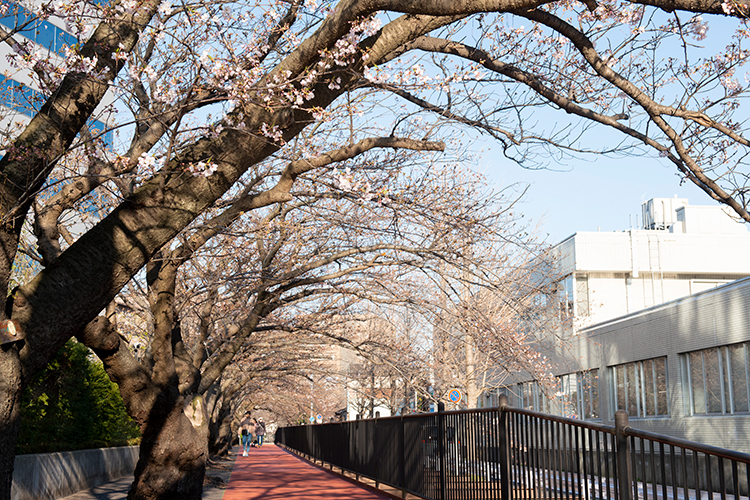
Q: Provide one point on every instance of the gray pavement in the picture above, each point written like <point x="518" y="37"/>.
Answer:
<point x="118" y="490"/>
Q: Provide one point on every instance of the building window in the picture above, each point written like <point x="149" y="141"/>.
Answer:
<point x="530" y="396"/>
<point x="565" y="297"/>
<point x="640" y="388"/>
<point x="579" y="395"/>
<point x="717" y="380"/>
<point x="582" y="296"/>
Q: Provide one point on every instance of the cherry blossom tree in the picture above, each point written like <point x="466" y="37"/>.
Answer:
<point x="287" y="88"/>
<point x="275" y="278"/>
<point x="392" y="359"/>
<point x="486" y="335"/>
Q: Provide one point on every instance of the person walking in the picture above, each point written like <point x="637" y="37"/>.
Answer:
<point x="260" y="430"/>
<point x="245" y="433"/>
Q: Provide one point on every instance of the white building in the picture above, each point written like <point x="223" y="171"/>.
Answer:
<point x="681" y="368"/>
<point x="680" y="250"/>
<point x="662" y="328"/>
<point x="369" y="390"/>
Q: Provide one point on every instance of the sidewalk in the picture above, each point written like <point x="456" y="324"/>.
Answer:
<point x="118" y="489"/>
<point x="268" y="473"/>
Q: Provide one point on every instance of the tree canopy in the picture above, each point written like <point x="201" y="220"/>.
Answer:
<point x="225" y="109"/>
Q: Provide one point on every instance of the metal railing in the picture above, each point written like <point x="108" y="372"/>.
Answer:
<point x="508" y="453"/>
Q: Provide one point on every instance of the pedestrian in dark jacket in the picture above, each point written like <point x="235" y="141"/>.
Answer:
<point x="260" y="431"/>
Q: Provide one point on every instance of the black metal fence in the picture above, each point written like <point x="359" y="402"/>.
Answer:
<point x="508" y="453"/>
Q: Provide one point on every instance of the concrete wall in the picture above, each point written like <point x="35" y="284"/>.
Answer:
<point x="57" y="475"/>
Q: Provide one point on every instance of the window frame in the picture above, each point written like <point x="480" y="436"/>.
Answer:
<point x="725" y="376"/>
<point x="585" y="382"/>
<point x="587" y="388"/>
<point x="638" y="389"/>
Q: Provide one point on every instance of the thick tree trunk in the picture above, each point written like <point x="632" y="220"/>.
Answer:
<point x="174" y="427"/>
<point x="174" y="442"/>
<point x="172" y="461"/>
<point x="10" y="395"/>
<point x="221" y="435"/>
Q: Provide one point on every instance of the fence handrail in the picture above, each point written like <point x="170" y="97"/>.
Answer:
<point x="515" y="454"/>
<point x="688" y="445"/>
<point x="632" y="431"/>
<point x="563" y="420"/>
<point x="472" y="411"/>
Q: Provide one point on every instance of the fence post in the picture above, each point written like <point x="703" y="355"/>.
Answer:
<point x="624" y="469"/>
<point x="504" y="445"/>
<point x="402" y="463"/>
<point x="356" y="448"/>
<point x="377" y="455"/>
<point x="441" y="447"/>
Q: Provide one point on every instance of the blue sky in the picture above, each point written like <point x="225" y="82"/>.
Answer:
<point x="601" y="193"/>
<point x="590" y="196"/>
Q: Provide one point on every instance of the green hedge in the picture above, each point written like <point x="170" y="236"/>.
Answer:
<point x="72" y="405"/>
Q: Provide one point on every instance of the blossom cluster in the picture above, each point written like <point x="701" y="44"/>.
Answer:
<point x="273" y="133"/>
<point x="28" y="56"/>
<point x="416" y="77"/>
<point x="345" y="182"/>
<point x="344" y="53"/>
<point x="347" y="47"/>
<point x="731" y="85"/>
<point x="202" y="168"/>
<point x="727" y="7"/>
<point x="79" y="16"/>
<point x="698" y="28"/>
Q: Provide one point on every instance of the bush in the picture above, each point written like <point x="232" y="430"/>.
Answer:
<point x="72" y="405"/>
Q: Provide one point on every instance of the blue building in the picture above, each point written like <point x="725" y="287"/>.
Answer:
<point x="20" y="95"/>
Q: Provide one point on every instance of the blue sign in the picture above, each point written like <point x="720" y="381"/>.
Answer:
<point x="455" y="396"/>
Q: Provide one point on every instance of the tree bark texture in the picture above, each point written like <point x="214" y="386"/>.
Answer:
<point x="174" y="428"/>
<point x="221" y="435"/>
<point x="10" y="380"/>
<point x="174" y="450"/>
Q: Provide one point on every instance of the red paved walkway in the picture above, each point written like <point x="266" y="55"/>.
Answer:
<point x="270" y="473"/>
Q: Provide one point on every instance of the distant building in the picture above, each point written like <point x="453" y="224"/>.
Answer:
<point x="681" y="368"/>
<point x="679" y="250"/>
<point x="661" y="327"/>
<point x="365" y="388"/>
<point x="368" y="388"/>
<point x="20" y="96"/>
